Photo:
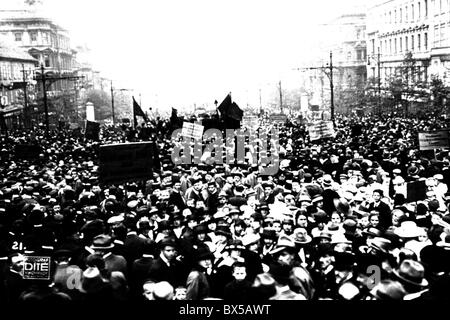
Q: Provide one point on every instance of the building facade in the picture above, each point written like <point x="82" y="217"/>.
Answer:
<point x="347" y="42"/>
<point x="17" y="69"/>
<point x="49" y="44"/>
<point x="420" y="28"/>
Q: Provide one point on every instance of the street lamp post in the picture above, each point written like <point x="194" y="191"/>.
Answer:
<point x="330" y="77"/>
<point x="112" y="104"/>
<point x="44" y="89"/>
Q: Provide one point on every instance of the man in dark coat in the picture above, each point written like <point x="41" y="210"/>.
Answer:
<point x="382" y="208"/>
<point x="239" y="289"/>
<point x="141" y="267"/>
<point x="166" y="267"/>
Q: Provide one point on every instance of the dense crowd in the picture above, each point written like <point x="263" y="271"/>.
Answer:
<point x="337" y="221"/>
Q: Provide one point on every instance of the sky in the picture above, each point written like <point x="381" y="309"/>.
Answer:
<point x="177" y="53"/>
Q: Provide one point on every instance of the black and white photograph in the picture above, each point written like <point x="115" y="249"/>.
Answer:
<point x="224" y="155"/>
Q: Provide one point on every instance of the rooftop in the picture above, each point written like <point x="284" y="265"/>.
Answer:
<point x="10" y="52"/>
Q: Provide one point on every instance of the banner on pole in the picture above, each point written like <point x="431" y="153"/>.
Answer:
<point x="434" y="140"/>
<point x="125" y="162"/>
<point x="279" y="118"/>
<point x="27" y="151"/>
<point x="416" y="191"/>
<point x="320" y="130"/>
<point x="250" y="122"/>
<point x="92" y="130"/>
<point x="192" y="130"/>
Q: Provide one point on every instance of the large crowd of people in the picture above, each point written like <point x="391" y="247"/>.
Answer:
<point x="339" y="220"/>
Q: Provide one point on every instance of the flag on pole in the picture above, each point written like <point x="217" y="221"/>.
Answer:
<point x="137" y="111"/>
<point x="229" y="109"/>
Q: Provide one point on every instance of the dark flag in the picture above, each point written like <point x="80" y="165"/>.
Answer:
<point x="230" y="113"/>
<point x="225" y="105"/>
<point x="175" y="121"/>
<point x="137" y="111"/>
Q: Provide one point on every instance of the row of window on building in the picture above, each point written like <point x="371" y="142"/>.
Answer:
<point x="13" y="71"/>
<point x="417" y="74"/>
<point x="46" y="38"/>
<point x="402" y="44"/>
<point x="415" y="11"/>
<point x="415" y="43"/>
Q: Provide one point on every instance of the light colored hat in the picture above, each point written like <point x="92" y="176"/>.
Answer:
<point x="163" y="291"/>
<point x="408" y="229"/>
<point x="250" y="239"/>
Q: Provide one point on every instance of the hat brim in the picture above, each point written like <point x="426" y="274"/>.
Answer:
<point x="424" y="282"/>
<point x="307" y="240"/>
<point x="280" y="249"/>
<point x="111" y="246"/>
<point x="234" y="247"/>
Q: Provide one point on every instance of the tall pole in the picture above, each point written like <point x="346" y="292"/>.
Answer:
<point x="331" y="86"/>
<point x="281" y="97"/>
<point x="379" y="81"/>
<point x="260" y="104"/>
<point x="112" y="104"/>
<point x="25" y="98"/>
<point x="45" y="100"/>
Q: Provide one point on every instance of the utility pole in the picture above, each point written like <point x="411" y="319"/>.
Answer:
<point x="332" y="86"/>
<point x="44" y="88"/>
<point x="49" y="80"/>
<point x="379" y="81"/>
<point x="112" y="104"/>
<point x="330" y="77"/>
<point x="260" y="104"/>
<point x="281" y="97"/>
<point x="25" y="98"/>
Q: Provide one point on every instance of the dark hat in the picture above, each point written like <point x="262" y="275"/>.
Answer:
<point x="164" y="225"/>
<point x="317" y="198"/>
<point x="223" y="230"/>
<point x="201" y="228"/>
<point x="411" y="272"/>
<point x="413" y="171"/>
<point x="350" y="226"/>
<point x="284" y="243"/>
<point x="203" y="253"/>
<point x="102" y="242"/>
<point x="373" y="232"/>
<point x="380" y="244"/>
<point x="323" y="235"/>
<point x="281" y="273"/>
<point x="168" y="242"/>
<point x="268" y="234"/>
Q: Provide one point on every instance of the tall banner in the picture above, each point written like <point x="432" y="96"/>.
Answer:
<point x="321" y="130"/>
<point x="125" y="162"/>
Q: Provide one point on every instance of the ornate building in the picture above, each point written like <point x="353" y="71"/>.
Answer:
<point x="418" y="27"/>
<point x="16" y="71"/>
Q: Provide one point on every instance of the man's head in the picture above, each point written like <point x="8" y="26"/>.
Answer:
<point x="169" y="249"/>
<point x="198" y="184"/>
<point x="212" y="187"/>
<point x="239" y="271"/>
<point x="377" y="195"/>
<point x="177" y="186"/>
